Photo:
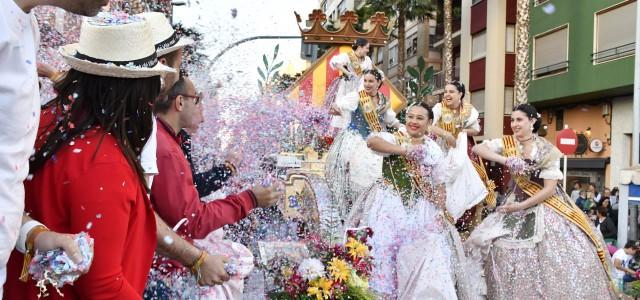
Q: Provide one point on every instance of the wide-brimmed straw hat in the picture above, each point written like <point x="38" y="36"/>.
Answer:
<point x="115" y="45"/>
<point x="164" y="36"/>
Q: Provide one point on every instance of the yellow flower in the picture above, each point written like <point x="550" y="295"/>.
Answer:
<point x="339" y="269"/>
<point x="356" y="248"/>
<point x="320" y="288"/>
<point x="287" y="272"/>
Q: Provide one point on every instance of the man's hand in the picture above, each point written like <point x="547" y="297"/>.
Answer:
<point x="212" y="271"/>
<point x="334" y="110"/>
<point x="45" y="70"/>
<point x="49" y="240"/>
<point x="235" y="157"/>
<point x="267" y="196"/>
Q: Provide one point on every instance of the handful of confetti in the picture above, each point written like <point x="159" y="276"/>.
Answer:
<point x="55" y="267"/>
<point x="516" y="165"/>
<point x="231" y="268"/>
<point x="415" y="153"/>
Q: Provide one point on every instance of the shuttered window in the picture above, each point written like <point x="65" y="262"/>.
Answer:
<point x="615" y="32"/>
<point x="550" y="53"/>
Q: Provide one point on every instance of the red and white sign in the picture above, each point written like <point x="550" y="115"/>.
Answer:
<point x="567" y="141"/>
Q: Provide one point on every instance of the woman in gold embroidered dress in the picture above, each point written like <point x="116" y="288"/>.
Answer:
<point x="451" y="117"/>
<point x="538" y="245"/>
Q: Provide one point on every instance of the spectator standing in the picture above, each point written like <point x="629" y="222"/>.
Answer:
<point x="605" y="224"/>
<point x="575" y="193"/>
<point x="582" y="197"/>
<point x="596" y="196"/>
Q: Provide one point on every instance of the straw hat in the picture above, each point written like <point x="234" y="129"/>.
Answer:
<point x="164" y="36"/>
<point x="115" y="45"/>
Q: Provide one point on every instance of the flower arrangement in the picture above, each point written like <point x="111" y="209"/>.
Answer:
<point x="333" y="272"/>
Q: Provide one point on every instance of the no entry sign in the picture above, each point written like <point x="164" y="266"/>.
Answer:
<point x="567" y="141"/>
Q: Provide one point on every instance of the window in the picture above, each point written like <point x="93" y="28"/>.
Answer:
<point x="474" y="2"/>
<point x="393" y="56"/>
<point x="477" y="100"/>
<point x="508" y="99"/>
<point x="479" y="45"/>
<point x="510" y="39"/>
<point x="615" y="32"/>
<point x="412" y="45"/>
<point x="379" y="56"/>
<point x="550" y="52"/>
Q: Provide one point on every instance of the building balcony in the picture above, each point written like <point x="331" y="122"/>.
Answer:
<point x="438" y="81"/>
<point x="613" y="53"/>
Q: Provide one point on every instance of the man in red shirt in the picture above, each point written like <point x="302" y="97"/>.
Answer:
<point x="173" y="193"/>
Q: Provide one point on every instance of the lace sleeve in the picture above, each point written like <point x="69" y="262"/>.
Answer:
<point x="387" y="137"/>
<point x="340" y="59"/>
<point x="551" y="171"/>
<point x="432" y="153"/>
<point x="473" y="122"/>
<point x="437" y="112"/>
<point x="367" y="64"/>
<point x="494" y="144"/>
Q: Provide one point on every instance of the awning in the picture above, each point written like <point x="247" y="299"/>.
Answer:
<point x="585" y="163"/>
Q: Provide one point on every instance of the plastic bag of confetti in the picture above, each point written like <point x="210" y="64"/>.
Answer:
<point x="56" y="268"/>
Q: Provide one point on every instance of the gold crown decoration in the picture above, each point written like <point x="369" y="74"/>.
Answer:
<point x="346" y="35"/>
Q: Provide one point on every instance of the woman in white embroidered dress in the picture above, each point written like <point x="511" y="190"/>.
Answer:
<point x="352" y="66"/>
<point x="416" y="248"/>
<point x="539" y="244"/>
<point x="351" y="166"/>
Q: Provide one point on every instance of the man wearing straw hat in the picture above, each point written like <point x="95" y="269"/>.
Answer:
<point x="19" y="109"/>
<point x="169" y="50"/>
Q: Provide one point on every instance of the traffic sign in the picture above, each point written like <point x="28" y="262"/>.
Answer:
<point x="567" y="141"/>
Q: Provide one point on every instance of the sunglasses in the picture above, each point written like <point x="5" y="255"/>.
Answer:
<point x="195" y="97"/>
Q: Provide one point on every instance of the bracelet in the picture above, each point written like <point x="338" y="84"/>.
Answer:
<point x="56" y="76"/>
<point x="195" y="267"/>
<point x="28" y="255"/>
<point x="231" y="167"/>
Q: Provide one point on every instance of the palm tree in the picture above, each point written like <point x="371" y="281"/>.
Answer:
<point x="448" y="41"/>
<point x="403" y="11"/>
<point x="522" y="52"/>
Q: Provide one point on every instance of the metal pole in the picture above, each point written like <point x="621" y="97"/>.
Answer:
<point x="564" y="177"/>
<point x="636" y="95"/>
<point x="242" y="41"/>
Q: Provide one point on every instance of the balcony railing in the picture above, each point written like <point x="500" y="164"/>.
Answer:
<point x="550" y="70"/>
<point x="613" y="53"/>
<point x="438" y="81"/>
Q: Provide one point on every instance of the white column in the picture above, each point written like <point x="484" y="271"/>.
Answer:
<point x="465" y="41"/>
<point x="636" y="95"/>
<point x="494" y="72"/>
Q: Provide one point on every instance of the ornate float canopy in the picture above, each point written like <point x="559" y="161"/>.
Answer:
<point x="317" y="34"/>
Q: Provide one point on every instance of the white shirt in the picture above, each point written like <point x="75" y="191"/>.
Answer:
<point x="148" y="159"/>
<point x="19" y="117"/>
<point x="624" y="258"/>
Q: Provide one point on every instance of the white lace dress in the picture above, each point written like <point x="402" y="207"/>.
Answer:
<point x="417" y="252"/>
